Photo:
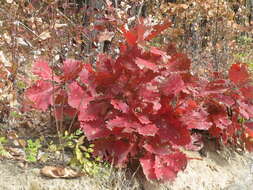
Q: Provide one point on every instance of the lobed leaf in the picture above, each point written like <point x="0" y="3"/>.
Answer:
<point x="42" y="69"/>
<point x="77" y="97"/>
<point x="71" y="68"/>
<point x="41" y="94"/>
<point x="238" y="73"/>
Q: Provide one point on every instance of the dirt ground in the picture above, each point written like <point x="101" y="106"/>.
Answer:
<point x="226" y="170"/>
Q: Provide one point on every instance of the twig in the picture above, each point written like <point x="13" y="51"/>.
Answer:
<point x="71" y="22"/>
<point x="216" y="38"/>
<point x="18" y="22"/>
<point x="116" y="3"/>
<point x="140" y="10"/>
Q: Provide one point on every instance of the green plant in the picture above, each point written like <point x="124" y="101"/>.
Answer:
<point x="69" y="139"/>
<point x="20" y="85"/>
<point x="3" y="140"/>
<point x="82" y="154"/>
<point x="32" y="150"/>
<point x="3" y="151"/>
<point x="245" y="57"/>
<point x="244" y="40"/>
<point x="15" y="114"/>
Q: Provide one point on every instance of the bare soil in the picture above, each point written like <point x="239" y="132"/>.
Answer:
<point x="224" y="170"/>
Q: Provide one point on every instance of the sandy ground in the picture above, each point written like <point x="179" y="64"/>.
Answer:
<point x="225" y="170"/>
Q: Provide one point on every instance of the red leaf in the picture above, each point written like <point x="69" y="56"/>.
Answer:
<point x="196" y="120"/>
<point x="155" y="147"/>
<point x="94" y="129"/>
<point x="167" y="166"/>
<point x="171" y="49"/>
<point x="105" y="63"/>
<point x="42" y="69"/>
<point x="164" y="173"/>
<point x="115" y="151"/>
<point x="249" y="125"/>
<point x="227" y="100"/>
<point x="40" y="94"/>
<point x="215" y="131"/>
<point x="157" y="51"/>
<point x="247" y="92"/>
<point x="177" y="160"/>
<point x="62" y="107"/>
<point x="248" y="136"/>
<point x="85" y="73"/>
<point x="150" y="94"/>
<point x="141" y="28"/>
<point x="173" y="131"/>
<point x="196" y="143"/>
<point x="238" y="73"/>
<point x="148" y="166"/>
<point x="77" y="98"/>
<point x="121" y="122"/>
<point x="221" y="120"/>
<point x="163" y="167"/>
<point x="87" y="77"/>
<point x="62" y="111"/>
<point x="130" y="37"/>
<point x="173" y="85"/>
<point x="215" y="87"/>
<point x="121" y="150"/>
<point x="178" y="62"/>
<point x="105" y="78"/>
<point x="142" y="63"/>
<point x="186" y="106"/>
<point x="248" y="144"/>
<point x="142" y="118"/>
<point x="246" y="110"/>
<point x="120" y="105"/>
<point x="93" y="112"/>
<point x="71" y="68"/>
<point x="100" y="27"/>
<point x="148" y="130"/>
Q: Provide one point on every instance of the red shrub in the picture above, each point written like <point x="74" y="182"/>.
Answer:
<point x="146" y="103"/>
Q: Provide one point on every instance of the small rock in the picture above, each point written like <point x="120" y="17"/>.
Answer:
<point x="22" y="165"/>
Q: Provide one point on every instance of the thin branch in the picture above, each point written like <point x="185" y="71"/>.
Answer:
<point x="116" y="3"/>
<point x="140" y="10"/>
<point x="216" y="37"/>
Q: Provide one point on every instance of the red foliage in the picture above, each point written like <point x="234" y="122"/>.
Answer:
<point x="40" y="94"/>
<point x="146" y="103"/>
<point x="71" y="69"/>
<point x="238" y="73"/>
<point x="42" y="69"/>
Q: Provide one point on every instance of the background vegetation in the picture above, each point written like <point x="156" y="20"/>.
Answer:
<point x="214" y="34"/>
